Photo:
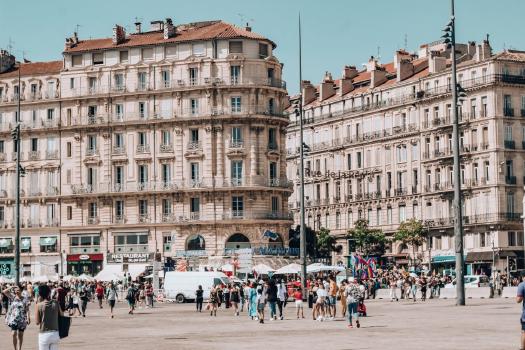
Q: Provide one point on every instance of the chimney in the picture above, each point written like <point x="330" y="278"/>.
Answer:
<point x="436" y="63"/>
<point x="372" y="64"/>
<point x="308" y="92"/>
<point x="405" y="69"/>
<point x="7" y="61"/>
<point x="119" y="34"/>
<point x="345" y="86"/>
<point x="486" y="49"/>
<point x="248" y="28"/>
<point x="377" y="77"/>
<point x="169" y="29"/>
<point x="471" y="49"/>
<point x="350" y="72"/>
<point x="156" y="26"/>
<point x="400" y="55"/>
<point x="326" y="88"/>
<point x="138" y="28"/>
<point x="75" y="38"/>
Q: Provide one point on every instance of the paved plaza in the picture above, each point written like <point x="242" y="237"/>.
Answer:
<point x="435" y="324"/>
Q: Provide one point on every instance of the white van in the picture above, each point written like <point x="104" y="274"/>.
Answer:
<point x="181" y="286"/>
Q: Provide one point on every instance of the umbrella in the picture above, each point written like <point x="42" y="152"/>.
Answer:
<point x="318" y="267"/>
<point x="40" y="279"/>
<point x="262" y="269"/>
<point x="67" y="278"/>
<point x="289" y="269"/>
<point x="84" y="277"/>
<point x="227" y="267"/>
<point x="412" y="274"/>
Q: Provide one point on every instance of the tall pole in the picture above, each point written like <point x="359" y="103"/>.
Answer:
<point x="17" y="203"/>
<point x="458" y="223"/>
<point x="302" y="234"/>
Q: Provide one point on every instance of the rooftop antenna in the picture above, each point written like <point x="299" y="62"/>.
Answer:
<point x="378" y="53"/>
<point x="10" y="45"/>
<point x="77" y="27"/>
<point x="244" y="20"/>
<point x="406" y="41"/>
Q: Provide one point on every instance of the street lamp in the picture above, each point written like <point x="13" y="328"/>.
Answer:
<point x="458" y="95"/>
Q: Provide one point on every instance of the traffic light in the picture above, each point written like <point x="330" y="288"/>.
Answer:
<point x="15" y="133"/>
<point x="447" y="36"/>
<point x="22" y="171"/>
<point x="306" y="148"/>
<point x="462" y="95"/>
<point x="297" y="108"/>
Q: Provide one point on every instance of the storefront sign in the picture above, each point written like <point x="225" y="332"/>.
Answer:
<point x="190" y="253"/>
<point x="85" y="257"/>
<point x="130" y="257"/>
<point x="5" y="268"/>
<point x="265" y="251"/>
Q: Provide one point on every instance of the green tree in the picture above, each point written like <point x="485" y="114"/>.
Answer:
<point x="412" y="233"/>
<point x="326" y="243"/>
<point x="367" y="241"/>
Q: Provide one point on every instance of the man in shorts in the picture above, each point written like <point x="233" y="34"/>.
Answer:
<point x="332" y="297"/>
<point x="520" y="299"/>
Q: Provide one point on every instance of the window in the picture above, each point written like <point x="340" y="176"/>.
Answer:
<point x="511" y="236"/>
<point x="389" y="216"/>
<point x="141" y="77"/>
<point x="119" y="111"/>
<point x="194" y="76"/>
<point x="337" y="220"/>
<point x="48" y="244"/>
<point x="415" y="152"/>
<point x="171" y="51"/>
<point x="92" y="210"/>
<point x="275" y="204"/>
<point x="166" y="206"/>
<point x="349" y="161"/>
<point x="166" y="137"/>
<point x="34" y="145"/>
<point x="198" y="49"/>
<point x="92" y="143"/>
<point x="236" y="135"/>
<point x="142" y="110"/>
<point x="378" y="217"/>
<point x="98" y="58"/>
<point x="263" y="50"/>
<point x="359" y="160"/>
<point x="235" y="46"/>
<point x="68" y="150"/>
<point x="119" y="177"/>
<point x="165" y="76"/>
<point x="194" y="171"/>
<point x="143" y="174"/>
<point x="194" y="135"/>
<point x="401" y="153"/>
<point x="143" y="207"/>
<point x="123" y="56"/>
<point x="510" y="204"/>
<point x="147" y="54"/>
<point x="402" y="213"/>
<point x="119" y="140"/>
<point x="235" y="74"/>
<point x="236" y="104"/>
<point x="195" y="205"/>
<point x="237" y="206"/>
<point x="142" y="139"/>
<point x="76" y="60"/>
<point x="166" y="173"/>
<point x="194" y="104"/>
<point x="272" y="138"/>
<point x="236" y="172"/>
<point x="273" y="170"/>
<point x="508" y="132"/>
<point x="507" y="106"/>
<point x="119" y="82"/>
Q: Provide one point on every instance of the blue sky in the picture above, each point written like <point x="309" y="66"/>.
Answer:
<point x="335" y="32"/>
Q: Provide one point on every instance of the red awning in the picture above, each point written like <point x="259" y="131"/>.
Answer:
<point x="85" y="257"/>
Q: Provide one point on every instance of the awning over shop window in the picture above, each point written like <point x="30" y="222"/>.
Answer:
<point x="6" y="242"/>
<point x="47" y="241"/>
<point x="25" y="242"/>
<point x="478" y="256"/>
<point x="444" y="259"/>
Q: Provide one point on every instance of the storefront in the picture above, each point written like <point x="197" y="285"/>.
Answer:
<point x="479" y="263"/>
<point x="443" y="263"/>
<point x="7" y="267"/>
<point x="89" y="264"/>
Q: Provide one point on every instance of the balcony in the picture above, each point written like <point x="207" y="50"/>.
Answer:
<point x="168" y="217"/>
<point x="195" y="183"/>
<point x="401" y="191"/>
<point x="119" y="219"/>
<point x="195" y="215"/>
<point x="118" y="150"/>
<point x="167" y="186"/>
<point x="508" y="112"/>
<point x="85" y="249"/>
<point x="143" y="149"/>
<point x="414" y="190"/>
<point x="236" y="144"/>
<point x="194" y="145"/>
<point x="510" y="144"/>
<point x="33" y="223"/>
<point x="52" y="154"/>
<point x="52" y="222"/>
<point x="144" y="186"/>
<point x="82" y="189"/>
<point x="91" y="152"/>
<point x="510" y="180"/>
<point x="236" y="182"/>
<point x="52" y="190"/>
<point x="33" y="155"/>
<point x="144" y="218"/>
<point x="93" y="220"/>
<point x="118" y="187"/>
<point x="131" y="248"/>
<point x="272" y="146"/>
<point x="3" y="156"/>
<point x="166" y="148"/>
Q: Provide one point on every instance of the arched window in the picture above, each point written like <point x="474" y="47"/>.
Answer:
<point x="238" y="241"/>
<point x="275" y="243"/>
<point x="196" y="242"/>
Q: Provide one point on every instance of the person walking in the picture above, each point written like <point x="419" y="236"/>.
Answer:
<point x="99" y="292"/>
<point x="281" y="298"/>
<point x="131" y="297"/>
<point x="252" y="302"/>
<point x="46" y="317"/>
<point x="111" y="297"/>
<point x="353" y="294"/>
<point x="242" y="294"/>
<point x="332" y="297"/>
<point x="271" y="297"/>
<point x="393" y="290"/>
<point x="261" y="303"/>
<point x="235" y="298"/>
<point x="149" y="295"/>
<point x="319" y="308"/>
<point x="214" y="301"/>
<point x="199" y="298"/>
<point x="17" y="315"/>
<point x="298" y="297"/>
<point x="84" y="298"/>
<point x="342" y="298"/>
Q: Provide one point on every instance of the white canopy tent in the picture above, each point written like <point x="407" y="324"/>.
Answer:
<point x="110" y="273"/>
<point x="318" y="267"/>
<point x="227" y="267"/>
<point x="262" y="269"/>
<point x="289" y="269"/>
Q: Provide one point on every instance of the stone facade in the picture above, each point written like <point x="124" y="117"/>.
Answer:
<point x="380" y="149"/>
<point x="169" y="141"/>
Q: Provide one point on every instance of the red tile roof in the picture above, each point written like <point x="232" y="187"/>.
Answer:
<point x="34" y="68"/>
<point x="189" y="32"/>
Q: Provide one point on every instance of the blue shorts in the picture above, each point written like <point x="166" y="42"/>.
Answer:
<point x="15" y="328"/>
<point x="522" y="325"/>
<point x="331" y="300"/>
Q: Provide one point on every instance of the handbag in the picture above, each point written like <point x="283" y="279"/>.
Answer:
<point x="64" y="323"/>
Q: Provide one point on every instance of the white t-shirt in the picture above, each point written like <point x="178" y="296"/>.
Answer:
<point x="321" y="293"/>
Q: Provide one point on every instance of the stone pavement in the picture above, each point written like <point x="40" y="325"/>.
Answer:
<point x="435" y="324"/>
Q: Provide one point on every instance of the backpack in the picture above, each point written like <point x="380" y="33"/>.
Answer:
<point x="131" y="294"/>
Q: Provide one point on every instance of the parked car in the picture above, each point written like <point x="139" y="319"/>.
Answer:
<point x="472" y="281"/>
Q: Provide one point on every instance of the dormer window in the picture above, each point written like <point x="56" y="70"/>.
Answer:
<point x="124" y="56"/>
<point x="235" y="46"/>
<point x="98" y="58"/>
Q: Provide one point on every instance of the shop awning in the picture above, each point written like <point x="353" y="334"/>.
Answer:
<point x="25" y="243"/>
<point x="478" y="256"/>
<point x="507" y="253"/>
<point x="6" y="242"/>
<point x="47" y="241"/>
<point x="443" y="259"/>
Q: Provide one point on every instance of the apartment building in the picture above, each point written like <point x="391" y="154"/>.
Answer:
<point x="167" y="143"/>
<point x="380" y="143"/>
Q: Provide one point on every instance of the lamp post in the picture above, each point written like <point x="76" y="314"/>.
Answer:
<point x="458" y="95"/>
